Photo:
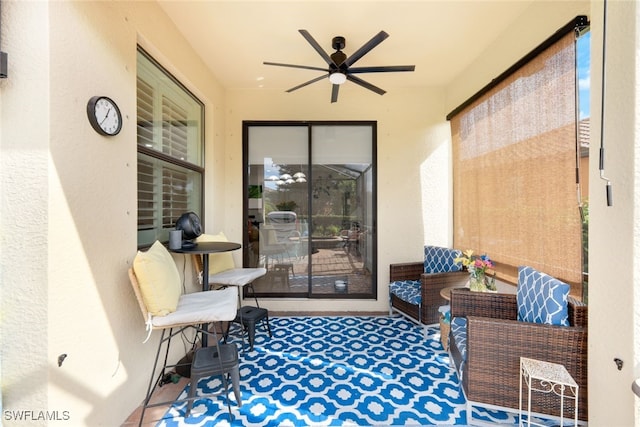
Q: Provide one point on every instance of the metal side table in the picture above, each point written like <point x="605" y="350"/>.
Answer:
<point x="546" y="377"/>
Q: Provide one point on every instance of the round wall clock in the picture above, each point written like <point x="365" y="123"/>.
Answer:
<point x="104" y="115"/>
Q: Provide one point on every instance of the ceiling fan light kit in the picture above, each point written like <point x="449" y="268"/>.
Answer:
<point x="337" y="78"/>
<point x="339" y="65"/>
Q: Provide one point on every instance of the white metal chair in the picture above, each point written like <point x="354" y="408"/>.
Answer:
<point x="271" y="250"/>
<point x="223" y="272"/>
<point x="239" y="277"/>
<point x="222" y="269"/>
<point x="194" y="310"/>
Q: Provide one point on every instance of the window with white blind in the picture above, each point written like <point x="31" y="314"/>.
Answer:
<point x="170" y="151"/>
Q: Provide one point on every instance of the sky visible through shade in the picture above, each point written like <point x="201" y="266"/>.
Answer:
<point x="584" y="74"/>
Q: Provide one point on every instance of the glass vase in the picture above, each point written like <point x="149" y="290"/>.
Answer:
<point x="478" y="283"/>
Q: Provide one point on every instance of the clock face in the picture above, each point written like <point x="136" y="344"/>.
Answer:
<point x="104" y="115"/>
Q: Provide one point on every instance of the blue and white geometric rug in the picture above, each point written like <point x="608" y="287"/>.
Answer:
<point x="339" y="371"/>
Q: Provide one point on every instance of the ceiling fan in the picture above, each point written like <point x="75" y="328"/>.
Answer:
<point x="339" y="65"/>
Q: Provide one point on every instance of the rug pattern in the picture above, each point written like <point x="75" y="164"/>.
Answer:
<point x="339" y="371"/>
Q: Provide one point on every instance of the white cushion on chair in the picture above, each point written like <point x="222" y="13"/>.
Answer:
<point x="201" y="307"/>
<point x="236" y="276"/>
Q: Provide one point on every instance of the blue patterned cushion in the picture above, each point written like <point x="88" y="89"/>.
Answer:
<point x="407" y="290"/>
<point x="541" y="298"/>
<point x="440" y="260"/>
<point x="459" y="333"/>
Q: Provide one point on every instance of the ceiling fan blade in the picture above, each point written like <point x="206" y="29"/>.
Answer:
<point x="305" y="67"/>
<point x="366" y="85"/>
<point x="334" y="93"/>
<point x="317" y="47"/>
<point x="375" y="41"/>
<point x="383" y="69"/>
<point x="306" y="83"/>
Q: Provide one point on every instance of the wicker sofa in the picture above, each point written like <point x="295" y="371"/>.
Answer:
<point x="414" y="289"/>
<point x="495" y="341"/>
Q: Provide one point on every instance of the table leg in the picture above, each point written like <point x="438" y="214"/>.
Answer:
<point x="575" y="407"/>
<point x="561" y="405"/>
<point x="520" y="398"/>
<point x="240" y="288"/>
<point x="529" y="401"/>
<point x="205" y="272"/>
<point x="205" y="287"/>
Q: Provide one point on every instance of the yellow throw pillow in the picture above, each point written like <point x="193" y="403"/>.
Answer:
<point x="218" y="262"/>
<point x="158" y="278"/>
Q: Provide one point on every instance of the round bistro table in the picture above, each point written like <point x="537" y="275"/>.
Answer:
<point x="204" y="249"/>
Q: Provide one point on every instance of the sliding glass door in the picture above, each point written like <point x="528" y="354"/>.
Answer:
<point x="310" y="208"/>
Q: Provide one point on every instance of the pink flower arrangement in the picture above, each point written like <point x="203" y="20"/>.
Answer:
<point x="476" y="265"/>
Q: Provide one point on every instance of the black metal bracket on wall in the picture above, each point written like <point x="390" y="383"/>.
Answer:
<point x="4" y="65"/>
<point x="4" y="58"/>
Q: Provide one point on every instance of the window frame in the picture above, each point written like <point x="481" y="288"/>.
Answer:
<point x="309" y="125"/>
<point x="194" y="139"/>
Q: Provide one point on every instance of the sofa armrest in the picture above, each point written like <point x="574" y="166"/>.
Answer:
<point x="451" y="278"/>
<point x="406" y="271"/>
<point x="578" y="313"/>
<point x="465" y="303"/>
<point x="430" y="286"/>
<point x="494" y="348"/>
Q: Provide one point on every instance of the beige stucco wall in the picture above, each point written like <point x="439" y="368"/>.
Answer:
<point x="69" y="204"/>
<point x="614" y="236"/>
<point x="24" y="225"/>
<point x="68" y="210"/>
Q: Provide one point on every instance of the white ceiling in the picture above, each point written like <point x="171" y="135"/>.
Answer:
<point x="441" y="38"/>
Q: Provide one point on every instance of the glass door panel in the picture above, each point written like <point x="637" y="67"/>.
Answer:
<point x="341" y="217"/>
<point x="278" y="208"/>
<point x="310" y="217"/>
